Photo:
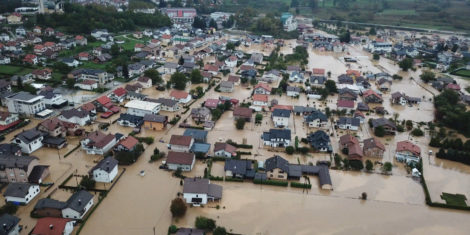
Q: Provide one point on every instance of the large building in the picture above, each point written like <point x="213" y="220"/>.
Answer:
<point x="289" y="23"/>
<point x="141" y="108"/>
<point x="181" y="15"/>
<point x="25" y="103"/>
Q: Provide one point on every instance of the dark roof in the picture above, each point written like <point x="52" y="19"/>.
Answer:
<point x="239" y="167"/>
<point x="166" y="102"/>
<point x="17" y="190"/>
<point x="319" y="139"/>
<point x="260" y="176"/>
<point x="295" y="170"/>
<point x="155" y="118"/>
<point x="137" y="120"/>
<point x="276" y="162"/>
<point x="36" y="173"/>
<point x="277" y="134"/>
<point x="8" y="223"/>
<point x="29" y="136"/>
<point x="54" y="141"/>
<point x="189" y="231"/>
<point x="45" y="203"/>
<point x="281" y="113"/>
<point x="203" y="186"/>
<point x="316" y="114"/>
<point x="107" y="164"/>
<point x="196" y="134"/>
<point x="78" y="201"/>
<point x="74" y="113"/>
<point x="9" y="149"/>
<point x="382" y="122"/>
<point x="21" y="162"/>
<point x="349" y="120"/>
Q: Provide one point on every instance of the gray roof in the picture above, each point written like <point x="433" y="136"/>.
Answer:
<point x="281" y="113"/>
<point x="20" y="162"/>
<point x="106" y="164"/>
<point x="317" y="114"/>
<point x="303" y="109"/>
<point x="203" y="186"/>
<point x="293" y="88"/>
<point x="349" y="120"/>
<point x="74" y="113"/>
<point x="239" y="167"/>
<point x="22" y="95"/>
<point x="170" y="65"/>
<point x="45" y="203"/>
<point x="226" y="84"/>
<point x="276" y="162"/>
<point x="277" y="134"/>
<point x="8" y="223"/>
<point x="190" y="231"/>
<point x="29" y="136"/>
<point x="155" y="118"/>
<point x="167" y="102"/>
<point x="382" y="122"/>
<point x="17" y="190"/>
<point x="319" y="140"/>
<point x="78" y="201"/>
<point x="136" y="120"/>
<point x="9" y="149"/>
<point x="198" y="135"/>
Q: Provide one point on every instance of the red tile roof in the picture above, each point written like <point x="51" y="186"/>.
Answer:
<point x="258" y="97"/>
<point x="264" y="86"/>
<point x="408" y="146"/>
<point x="345" y="103"/>
<point x="120" y="91"/>
<point x="103" y="100"/>
<point x="129" y="142"/>
<point x="88" y="107"/>
<point x="181" y="140"/>
<point x="317" y="71"/>
<point x="180" y="158"/>
<point x="179" y="94"/>
<point x="50" y="226"/>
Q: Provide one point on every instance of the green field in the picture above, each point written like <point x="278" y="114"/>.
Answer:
<point x="454" y="199"/>
<point x="462" y="72"/>
<point x="14" y="70"/>
<point x="92" y="65"/>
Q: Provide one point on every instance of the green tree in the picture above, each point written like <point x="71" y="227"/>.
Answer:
<point x="178" y="80"/>
<point x="216" y="113"/>
<point x="219" y="231"/>
<point x="376" y="56"/>
<point x="70" y="83"/>
<point x="87" y="182"/>
<point x="337" y="160"/>
<point x="125" y="71"/>
<point x="115" y="50"/>
<point x="230" y="46"/>
<point x="369" y="165"/>
<point x="356" y="165"/>
<point x="196" y="76"/>
<point x="213" y="24"/>
<point x="258" y="118"/>
<point x="290" y="150"/>
<point x="387" y="167"/>
<point x="417" y="132"/>
<point x="330" y="85"/>
<point x="379" y="131"/>
<point x="345" y="37"/>
<point x="372" y="31"/>
<point x="427" y="76"/>
<point x="199" y="23"/>
<point x="178" y="207"/>
<point x="240" y="124"/>
<point x="406" y="64"/>
<point x="154" y="75"/>
<point x="62" y="67"/>
<point x="205" y="223"/>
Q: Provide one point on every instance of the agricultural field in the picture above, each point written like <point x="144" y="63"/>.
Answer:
<point x="11" y="70"/>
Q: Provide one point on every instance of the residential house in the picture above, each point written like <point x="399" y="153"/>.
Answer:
<point x="15" y="18"/>
<point x="105" y="171"/>
<point x="53" y="99"/>
<point x="169" y="105"/>
<point x="78" y="205"/>
<point x="29" y="140"/>
<point x="155" y="122"/>
<point x="130" y="120"/>
<point x="346" y="140"/>
<point x="347" y="94"/>
<point x="348" y="123"/>
<point x="198" y="191"/>
<point x="371" y="96"/>
<point x="71" y="62"/>
<point x="180" y="160"/>
<point x="355" y="152"/>
<point x="126" y="144"/>
<point x="347" y="105"/>
<point x="361" y="106"/>
<point x="181" y="96"/>
<point x="90" y="108"/>
<point x="242" y="112"/>
<point x="168" y="68"/>
<point x="226" y="86"/>
<point x="316" y="119"/>
<point x="10" y="224"/>
<point x="146" y="82"/>
<point x="16" y="168"/>
<point x="262" y="89"/>
<point x="271" y="76"/>
<point x="141" y="108"/>
<point x="199" y="136"/>
<point x="118" y="95"/>
<point x="98" y="142"/>
<point x="25" y="103"/>
<point x="77" y="116"/>
<point x="238" y="168"/>
<point x="212" y="103"/>
<point x="98" y="75"/>
<point x="8" y="120"/>
<point x="408" y="152"/>
<point x="320" y="141"/>
<point x="234" y="79"/>
<point x="389" y="127"/>
<point x="373" y="147"/>
<point x="181" y="143"/>
<point x="53" y="226"/>
<point x="21" y="193"/>
<point x="276" y="168"/>
<point x="384" y="84"/>
<point x="224" y="150"/>
<point x="318" y="81"/>
<point x="280" y="118"/>
<point x="293" y="91"/>
<point x="47" y="207"/>
<point x="277" y="138"/>
<point x="201" y="114"/>
<point x="260" y="100"/>
<point x="57" y="128"/>
<point x="296" y="76"/>
<point x="345" y="79"/>
<point x="359" y="115"/>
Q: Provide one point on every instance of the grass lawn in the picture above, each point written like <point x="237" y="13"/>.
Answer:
<point x="78" y="49"/>
<point x="92" y="65"/>
<point x="14" y="70"/>
<point x="462" y="72"/>
<point x="454" y="199"/>
<point x="397" y="12"/>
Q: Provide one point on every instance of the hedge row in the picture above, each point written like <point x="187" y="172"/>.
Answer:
<point x="300" y="185"/>
<point x="243" y="153"/>
<point x="271" y="182"/>
<point x="71" y="151"/>
<point x="147" y="140"/>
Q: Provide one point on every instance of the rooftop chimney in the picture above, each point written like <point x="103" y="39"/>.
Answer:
<point x="51" y="226"/>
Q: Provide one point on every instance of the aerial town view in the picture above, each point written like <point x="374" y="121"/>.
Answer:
<point x="253" y="117"/>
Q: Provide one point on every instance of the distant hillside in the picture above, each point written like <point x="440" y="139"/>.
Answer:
<point x="436" y="14"/>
